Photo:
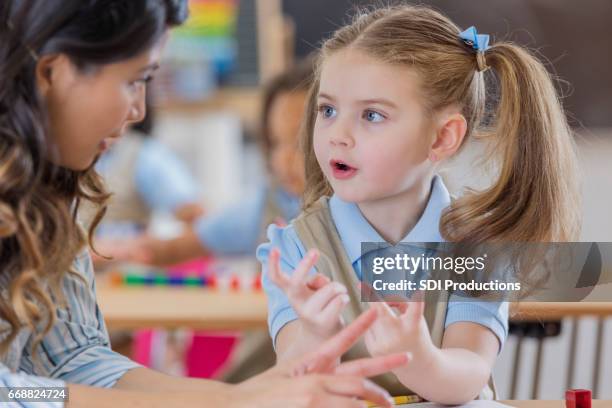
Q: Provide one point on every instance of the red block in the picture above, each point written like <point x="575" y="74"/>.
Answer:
<point x="578" y="399"/>
<point x="257" y="282"/>
<point x="235" y="283"/>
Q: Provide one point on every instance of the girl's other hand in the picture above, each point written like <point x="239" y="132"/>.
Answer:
<point x="317" y="301"/>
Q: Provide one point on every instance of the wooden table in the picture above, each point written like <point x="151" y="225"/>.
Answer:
<point x="536" y="311"/>
<point x="127" y="307"/>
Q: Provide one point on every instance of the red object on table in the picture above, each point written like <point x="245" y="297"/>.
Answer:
<point x="235" y="283"/>
<point x="211" y="282"/>
<point x="578" y="399"/>
<point x="257" y="282"/>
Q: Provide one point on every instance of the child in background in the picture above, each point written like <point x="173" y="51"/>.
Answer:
<point x="397" y="92"/>
<point x="238" y="230"/>
<point x="143" y="176"/>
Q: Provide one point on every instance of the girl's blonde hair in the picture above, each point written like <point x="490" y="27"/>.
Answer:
<point x="535" y="196"/>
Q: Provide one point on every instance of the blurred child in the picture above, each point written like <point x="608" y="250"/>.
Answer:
<point x="238" y="229"/>
<point x="143" y="176"/>
<point x="397" y="92"/>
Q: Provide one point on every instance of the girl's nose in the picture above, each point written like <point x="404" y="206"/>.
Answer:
<point x="341" y="136"/>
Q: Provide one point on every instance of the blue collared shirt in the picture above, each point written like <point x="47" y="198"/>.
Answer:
<point x="161" y="178"/>
<point x="237" y="230"/>
<point x="354" y="229"/>
<point x="76" y="350"/>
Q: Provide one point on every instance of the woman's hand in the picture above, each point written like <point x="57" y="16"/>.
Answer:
<point x="317" y="301"/>
<point x="317" y="381"/>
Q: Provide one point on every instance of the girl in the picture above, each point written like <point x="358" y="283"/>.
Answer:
<point x="72" y="77"/>
<point x="397" y="92"/>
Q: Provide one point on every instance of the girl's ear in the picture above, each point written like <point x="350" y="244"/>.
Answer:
<point x="450" y="132"/>
<point x="51" y="71"/>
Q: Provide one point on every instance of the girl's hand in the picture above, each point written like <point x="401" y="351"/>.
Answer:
<point x="316" y="380"/>
<point x="317" y="301"/>
<point x="405" y="331"/>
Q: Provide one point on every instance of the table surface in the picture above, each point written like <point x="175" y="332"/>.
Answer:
<point x="176" y="307"/>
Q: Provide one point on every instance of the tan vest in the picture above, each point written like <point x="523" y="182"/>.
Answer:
<point x="271" y="213"/>
<point x="316" y="229"/>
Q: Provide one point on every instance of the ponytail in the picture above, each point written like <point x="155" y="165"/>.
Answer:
<point x="535" y="197"/>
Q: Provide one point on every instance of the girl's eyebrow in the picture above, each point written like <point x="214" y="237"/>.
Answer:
<point x="379" y="101"/>
<point x="326" y="96"/>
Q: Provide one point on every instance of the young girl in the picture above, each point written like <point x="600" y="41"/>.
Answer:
<point x="397" y="92"/>
<point x="72" y="78"/>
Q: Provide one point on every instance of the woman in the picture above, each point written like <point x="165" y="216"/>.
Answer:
<point x="72" y="78"/>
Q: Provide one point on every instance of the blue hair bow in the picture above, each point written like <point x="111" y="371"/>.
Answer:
<point x="479" y="42"/>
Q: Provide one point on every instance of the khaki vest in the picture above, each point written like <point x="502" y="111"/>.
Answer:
<point x="271" y="213"/>
<point x="316" y="229"/>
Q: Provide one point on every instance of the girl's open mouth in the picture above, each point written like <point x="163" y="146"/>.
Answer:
<point x="341" y="170"/>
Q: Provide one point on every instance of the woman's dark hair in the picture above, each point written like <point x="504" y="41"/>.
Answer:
<point x="296" y="79"/>
<point x="39" y="233"/>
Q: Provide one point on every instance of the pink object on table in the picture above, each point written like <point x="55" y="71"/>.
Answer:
<point x="198" y="266"/>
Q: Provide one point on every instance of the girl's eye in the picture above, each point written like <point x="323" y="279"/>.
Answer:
<point x="372" y="116"/>
<point x="327" y="111"/>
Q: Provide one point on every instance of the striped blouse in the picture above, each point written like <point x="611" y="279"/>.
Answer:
<point x="76" y="350"/>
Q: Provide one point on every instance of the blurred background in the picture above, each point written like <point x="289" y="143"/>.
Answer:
<point x="208" y="102"/>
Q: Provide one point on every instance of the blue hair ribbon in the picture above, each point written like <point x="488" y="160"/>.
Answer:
<point x="479" y="42"/>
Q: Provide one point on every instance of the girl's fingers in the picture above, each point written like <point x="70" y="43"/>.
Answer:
<point x="317" y="281"/>
<point x="400" y="306"/>
<point x="276" y="275"/>
<point x="298" y="276"/>
<point x="416" y="307"/>
<point x="369" y="367"/>
<point x="385" y="322"/>
<point x="385" y="312"/>
<point x="333" y="310"/>
<point x="335" y="347"/>
<point x="322" y="297"/>
<point x="398" y="302"/>
<point x="350" y="386"/>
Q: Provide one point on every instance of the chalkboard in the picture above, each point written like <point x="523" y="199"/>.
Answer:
<point x="574" y="36"/>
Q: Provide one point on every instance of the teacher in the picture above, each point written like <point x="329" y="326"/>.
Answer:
<point x="73" y="75"/>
